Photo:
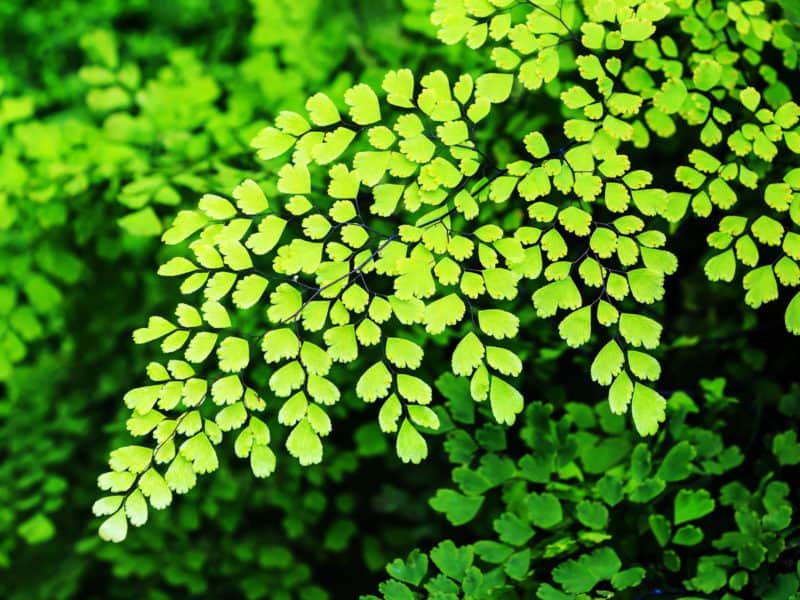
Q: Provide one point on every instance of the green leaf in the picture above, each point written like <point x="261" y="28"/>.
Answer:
<point x="363" y="103"/>
<point x="262" y="461"/>
<point x="333" y="145"/>
<point x="512" y="530"/>
<point x="504" y="361"/>
<point x="636" y="30"/>
<point x="115" y="528"/>
<point x="304" y="444"/>
<point x="271" y="142"/>
<point x="180" y="476"/>
<point x="692" y="504"/>
<point x="411" y="446"/>
<point x="639" y="330"/>
<point x="750" y="98"/>
<point x="786" y="448"/>
<point x="199" y="450"/>
<point x="144" y="222"/>
<point x="761" y="286"/>
<point x="234" y="354"/>
<point x="413" y="389"/>
<point x="494" y="87"/>
<point x="452" y="561"/>
<point x="544" y="510"/>
<point x="394" y="590"/>
<point x="767" y="230"/>
<point x="721" y="267"/>
<point x="505" y="400"/>
<point x="592" y="514"/>
<point x="647" y="408"/>
<point x="608" y="363"/>
<point x="412" y="570"/>
<point x="671" y="97"/>
<point x="619" y="394"/>
<point x="575" y="328"/>
<point x="444" y="312"/>
<point x="628" y="578"/>
<point x="575" y="220"/>
<point x="518" y="566"/>
<point x="136" y="509"/>
<point x="250" y="198"/>
<point x="135" y="459"/>
<point x="468" y="355"/>
<point x="399" y="86"/>
<point x="677" y="464"/>
<point x="37" y="529"/>
<point x="322" y="110"/>
<point x="661" y="528"/>
<point x="646" y="285"/>
<point x="536" y="144"/>
<point x="374" y="383"/>
<point x="582" y="575"/>
<point x="497" y="323"/>
<point x="561" y="294"/>
<point x="458" y="509"/>
<point x="643" y="366"/>
<point x="688" y="535"/>
<point x="389" y="414"/>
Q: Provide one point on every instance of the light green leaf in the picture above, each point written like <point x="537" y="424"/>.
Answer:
<point x="761" y="286"/>
<point x="262" y="460"/>
<point x="403" y="353"/>
<point x="374" y="383"/>
<point x="271" y="142"/>
<point x="304" y="444"/>
<point x="576" y="328"/>
<point x="444" y="312"/>
<point x="497" y="323"/>
<point x="390" y="412"/>
<point x="494" y="87"/>
<point x="505" y="400"/>
<point x="423" y="416"/>
<point x="233" y="354"/>
<point x="115" y="528"/>
<point x="608" y="363"/>
<point x="250" y="198"/>
<point x="619" y="394"/>
<point x="648" y="409"/>
<point x="363" y="103"/>
<point x="322" y="110"/>
<point x="646" y="285"/>
<point x="639" y="330"/>
<point x="399" y="86"/>
<point x="180" y="476"/>
<point x="136" y="508"/>
<point x="750" y="98"/>
<point x="413" y="389"/>
<point x="792" y="315"/>
<point x="411" y="446"/>
<point x="643" y="366"/>
<point x="468" y="355"/>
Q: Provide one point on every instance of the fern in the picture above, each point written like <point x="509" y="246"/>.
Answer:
<point x="585" y="530"/>
<point x="389" y="228"/>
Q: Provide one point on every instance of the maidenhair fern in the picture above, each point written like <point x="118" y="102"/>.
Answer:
<point x="390" y="227"/>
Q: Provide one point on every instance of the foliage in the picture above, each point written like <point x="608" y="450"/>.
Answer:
<point x="380" y="239"/>
<point x="599" y="510"/>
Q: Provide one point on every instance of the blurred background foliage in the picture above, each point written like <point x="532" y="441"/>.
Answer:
<point x="113" y="114"/>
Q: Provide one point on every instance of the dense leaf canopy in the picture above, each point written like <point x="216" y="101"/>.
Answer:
<point x="489" y="238"/>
